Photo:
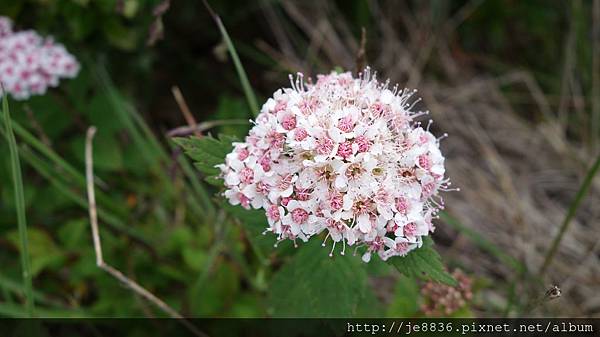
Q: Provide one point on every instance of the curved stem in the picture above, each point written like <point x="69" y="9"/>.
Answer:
<point x="585" y="186"/>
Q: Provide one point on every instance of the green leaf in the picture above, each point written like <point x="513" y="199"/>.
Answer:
<point x="370" y="306"/>
<point x="119" y="35"/>
<point x="100" y="114"/>
<point x="255" y="222"/>
<point x="217" y="294"/>
<point x="423" y="263"/>
<point x="47" y="113"/>
<point x="207" y="152"/>
<point x="405" y="300"/>
<point x="73" y="233"/>
<point x="194" y="258"/>
<point x="232" y="107"/>
<point x="313" y="284"/>
<point x="43" y="250"/>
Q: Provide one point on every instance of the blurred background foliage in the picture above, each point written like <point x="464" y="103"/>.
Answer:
<point x="161" y="225"/>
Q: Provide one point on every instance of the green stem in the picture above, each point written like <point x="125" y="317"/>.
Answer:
<point x="250" y="96"/>
<point x="46" y="151"/>
<point x="585" y="186"/>
<point x="49" y="153"/>
<point x="20" y="204"/>
<point x="10" y="286"/>
<point x="43" y="169"/>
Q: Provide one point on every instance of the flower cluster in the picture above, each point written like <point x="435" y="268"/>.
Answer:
<point x="341" y="155"/>
<point x="29" y="63"/>
<point x="444" y="300"/>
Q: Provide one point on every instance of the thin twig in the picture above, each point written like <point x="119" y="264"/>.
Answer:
<point x="157" y="29"/>
<point x="279" y="33"/>
<point x="89" y="177"/>
<point x="89" y="174"/>
<point x="188" y="130"/>
<point x="185" y="110"/>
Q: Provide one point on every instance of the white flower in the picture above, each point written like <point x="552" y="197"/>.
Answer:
<point x="29" y="64"/>
<point x="340" y="156"/>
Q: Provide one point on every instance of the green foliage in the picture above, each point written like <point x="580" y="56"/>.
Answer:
<point x="248" y="91"/>
<point x="160" y="224"/>
<point x="207" y="152"/>
<point x="95" y="23"/>
<point x="215" y="295"/>
<point x="573" y="207"/>
<point x="19" y="198"/>
<point x="314" y="285"/>
<point x="231" y="107"/>
<point x="423" y="263"/>
<point x="43" y="251"/>
<point x="317" y="286"/>
<point x="405" y="299"/>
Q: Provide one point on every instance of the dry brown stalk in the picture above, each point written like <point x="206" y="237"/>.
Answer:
<point x="131" y="284"/>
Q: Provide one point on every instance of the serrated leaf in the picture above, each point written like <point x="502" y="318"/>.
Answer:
<point x="214" y="181"/>
<point x="313" y="284"/>
<point x="207" y="168"/>
<point x="206" y="152"/>
<point x="423" y="263"/>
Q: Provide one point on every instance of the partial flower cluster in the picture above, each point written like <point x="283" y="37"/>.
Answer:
<point x="342" y="156"/>
<point x="29" y="63"/>
<point x="444" y="300"/>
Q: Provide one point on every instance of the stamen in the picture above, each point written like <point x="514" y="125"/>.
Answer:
<point x="275" y="148"/>
<point x="429" y="124"/>
<point x="327" y="237"/>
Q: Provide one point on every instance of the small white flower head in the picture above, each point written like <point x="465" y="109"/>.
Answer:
<point x="29" y="63"/>
<point x="342" y="156"/>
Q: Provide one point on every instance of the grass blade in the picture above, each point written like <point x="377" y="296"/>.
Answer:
<point x="151" y="146"/>
<point x="62" y="164"/>
<point x="585" y="186"/>
<point x="20" y="204"/>
<point x="14" y="311"/>
<point x="250" y="96"/>
<point x="43" y="169"/>
<point x="15" y="287"/>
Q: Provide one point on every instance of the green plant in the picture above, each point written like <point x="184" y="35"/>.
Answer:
<point x="20" y="207"/>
